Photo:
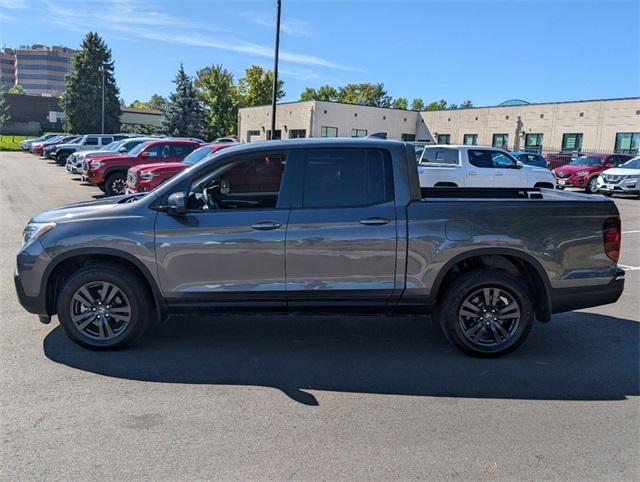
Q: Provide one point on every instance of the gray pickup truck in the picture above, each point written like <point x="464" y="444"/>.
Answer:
<point x="323" y="225"/>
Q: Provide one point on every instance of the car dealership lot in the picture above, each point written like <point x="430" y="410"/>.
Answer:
<point x="311" y="397"/>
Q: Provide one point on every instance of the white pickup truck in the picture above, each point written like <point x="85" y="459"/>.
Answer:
<point x="476" y="166"/>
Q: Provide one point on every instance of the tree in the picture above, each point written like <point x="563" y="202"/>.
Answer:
<point x="218" y="92"/>
<point x="401" y="103"/>
<point x="82" y="100"/>
<point x="256" y="87"/>
<point x="452" y="106"/>
<point x="138" y="104"/>
<point x="5" y="115"/>
<point x="440" y="105"/>
<point x="417" y="104"/>
<point x="467" y="104"/>
<point x="157" y="102"/>
<point x="183" y="113"/>
<point x="365" y="94"/>
<point x="326" y="92"/>
<point x="17" y="89"/>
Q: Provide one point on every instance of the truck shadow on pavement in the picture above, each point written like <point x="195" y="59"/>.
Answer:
<point x="578" y="356"/>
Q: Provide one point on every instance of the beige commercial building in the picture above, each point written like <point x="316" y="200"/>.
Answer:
<point x="591" y="125"/>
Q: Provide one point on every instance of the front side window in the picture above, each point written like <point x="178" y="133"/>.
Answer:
<point x="439" y="156"/>
<point x="488" y="159"/>
<point x="251" y="183"/>
<point x="160" y="151"/>
<point x="502" y="160"/>
<point x="627" y="141"/>
<point x="91" y="141"/>
<point x="346" y="178"/>
<point x="500" y="140"/>
<point x="180" y="150"/>
<point x="571" y="142"/>
<point x="106" y="140"/>
<point x="444" y="138"/>
<point x="326" y="131"/>
<point x="358" y="132"/>
<point x="533" y="140"/>
<point x="470" y="139"/>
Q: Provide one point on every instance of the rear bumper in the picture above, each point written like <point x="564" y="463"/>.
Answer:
<point x="568" y="299"/>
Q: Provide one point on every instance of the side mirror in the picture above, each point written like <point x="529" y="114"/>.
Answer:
<point x="519" y="164"/>
<point x="122" y="150"/>
<point x="609" y="165"/>
<point x="176" y="204"/>
<point x="145" y="154"/>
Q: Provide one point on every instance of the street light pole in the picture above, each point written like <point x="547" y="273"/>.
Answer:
<point x="102" y="131"/>
<point x="275" y="72"/>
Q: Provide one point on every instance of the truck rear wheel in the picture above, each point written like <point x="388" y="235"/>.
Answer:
<point x="486" y="313"/>
<point x="104" y="307"/>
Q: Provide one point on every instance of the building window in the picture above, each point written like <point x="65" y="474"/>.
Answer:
<point x="571" y="142"/>
<point x="251" y="134"/>
<point x="356" y="133"/>
<point x="277" y="134"/>
<point x="533" y="140"/>
<point x="627" y="142"/>
<point x="408" y="137"/>
<point x="326" y="131"/>
<point x="500" y="140"/>
<point x="444" y="138"/>
<point x="297" y="133"/>
<point x="470" y="139"/>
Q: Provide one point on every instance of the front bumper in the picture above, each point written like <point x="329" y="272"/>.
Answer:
<point x="622" y="186"/>
<point x="31" y="265"/>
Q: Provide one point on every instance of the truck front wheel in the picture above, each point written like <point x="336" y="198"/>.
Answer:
<point x="104" y="307"/>
<point x="115" y="183"/>
<point x="486" y="313"/>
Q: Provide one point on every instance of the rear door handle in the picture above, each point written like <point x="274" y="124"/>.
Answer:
<point x="375" y="221"/>
<point x="471" y="173"/>
<point x="499" y="174"/>
<point x="266" y="225"/>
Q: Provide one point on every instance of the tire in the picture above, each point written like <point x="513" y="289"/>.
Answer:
<point x="485" y="335"/>
<point x="62" y="158"/>
<point x="115" y="184"/>
<point x="98" y="320"/>
<point x="592" y="185"/>
<point x="101" y="187"/>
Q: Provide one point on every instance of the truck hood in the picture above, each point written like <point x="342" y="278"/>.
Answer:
<point x="159" y="167"/>
<point x="86" y="209"/>
<point x="65" y="146"/>
<point x="617" y="171"/>
<point x="116" y="157"/>
<point x="573" y="169"/>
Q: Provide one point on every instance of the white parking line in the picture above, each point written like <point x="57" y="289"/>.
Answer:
<point x="631" y="232"/>
<point x="629" y="268"/>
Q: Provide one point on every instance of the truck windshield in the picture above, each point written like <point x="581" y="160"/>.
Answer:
<point x="591" y="161"/>
<point x="197" y="155"/>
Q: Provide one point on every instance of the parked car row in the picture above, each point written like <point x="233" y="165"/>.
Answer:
<point x="119" y="163"/>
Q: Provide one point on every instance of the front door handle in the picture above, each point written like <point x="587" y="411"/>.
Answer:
<point x="265" y="225"/>
<point x="499" y="174"/>
<point x="472" y="173"/>
<point x="375" y="221"/>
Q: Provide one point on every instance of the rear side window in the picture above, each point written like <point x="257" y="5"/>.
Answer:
<point x="107" y="140"/>
<point x="439" y="156"/>
<point x="346" y="178"/>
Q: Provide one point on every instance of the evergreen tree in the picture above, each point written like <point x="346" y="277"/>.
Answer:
<point x="216" y="88"/>
<point x="183" y="112"/>
<point x="82" y="100"/>
<point x="17" y="89"/>
<point x="5" y="115"/>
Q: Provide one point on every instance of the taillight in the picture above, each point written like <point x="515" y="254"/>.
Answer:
<point x="612" y="237"/>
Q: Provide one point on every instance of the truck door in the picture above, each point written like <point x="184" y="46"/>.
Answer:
<point x="506" y="171"/>
<point x="229" y="247"/>
<point x="479" y="171"/>
<point x="341" y="237"/>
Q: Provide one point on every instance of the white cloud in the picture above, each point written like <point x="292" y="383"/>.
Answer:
<point x="290" y="26"/>
<point x="13" y="4"/>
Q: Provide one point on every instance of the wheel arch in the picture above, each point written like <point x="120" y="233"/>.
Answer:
<point x="65" y="265"/>
<point x="507" y="260"/>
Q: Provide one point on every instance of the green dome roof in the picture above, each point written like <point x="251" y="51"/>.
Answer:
<point x="510" y="102"/>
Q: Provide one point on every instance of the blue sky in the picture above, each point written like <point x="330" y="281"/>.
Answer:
<point x="486" y="51"/>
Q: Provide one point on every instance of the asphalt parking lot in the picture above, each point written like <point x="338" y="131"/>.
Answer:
<point x="284" y="397"/>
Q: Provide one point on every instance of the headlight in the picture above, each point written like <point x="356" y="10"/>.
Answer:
<point x="631" y="176"/>
<point x="95" y="164"/>
<point x="147" y="176"/>
<point x="35" y="231"/>
<point x="582" y="173"/>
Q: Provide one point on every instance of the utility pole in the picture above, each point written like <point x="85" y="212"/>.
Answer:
<point x="102" y="69"/>
<point x="275" y="72"/>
